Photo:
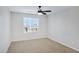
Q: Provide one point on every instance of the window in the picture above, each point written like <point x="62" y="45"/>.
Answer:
<point x="31" y="24"/>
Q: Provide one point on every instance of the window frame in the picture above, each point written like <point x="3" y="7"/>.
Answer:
<point x="38" y="26"/>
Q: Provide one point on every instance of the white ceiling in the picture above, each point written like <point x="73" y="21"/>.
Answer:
<point x="34" y="9"/>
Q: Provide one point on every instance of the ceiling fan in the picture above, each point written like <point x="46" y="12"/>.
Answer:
<point x="40" y="11"/>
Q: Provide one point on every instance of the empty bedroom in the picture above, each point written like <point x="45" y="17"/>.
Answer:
<point x="39" y="29"/>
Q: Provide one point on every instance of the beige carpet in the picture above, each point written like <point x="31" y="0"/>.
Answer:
<point x="38" y="46"/>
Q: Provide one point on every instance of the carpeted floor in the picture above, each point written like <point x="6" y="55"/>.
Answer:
<point x="38" y="46"/>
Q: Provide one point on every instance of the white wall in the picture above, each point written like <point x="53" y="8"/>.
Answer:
<point x="63" y="27"/>
<point x="18" y="28"/>
<point x="4" y="29"/>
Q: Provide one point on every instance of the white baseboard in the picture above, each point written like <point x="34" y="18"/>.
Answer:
<point x="53" y="38"/>
<point x="5" y="48"/>
<point x="8" y="46"/>
<point x="21" y="39"/>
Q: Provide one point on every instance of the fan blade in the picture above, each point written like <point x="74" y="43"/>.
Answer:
<point x="47" y="11"/>
<point x="43" y="13"/>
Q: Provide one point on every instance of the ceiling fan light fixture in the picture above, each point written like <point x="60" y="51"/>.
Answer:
<point x="40" y="13"/>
